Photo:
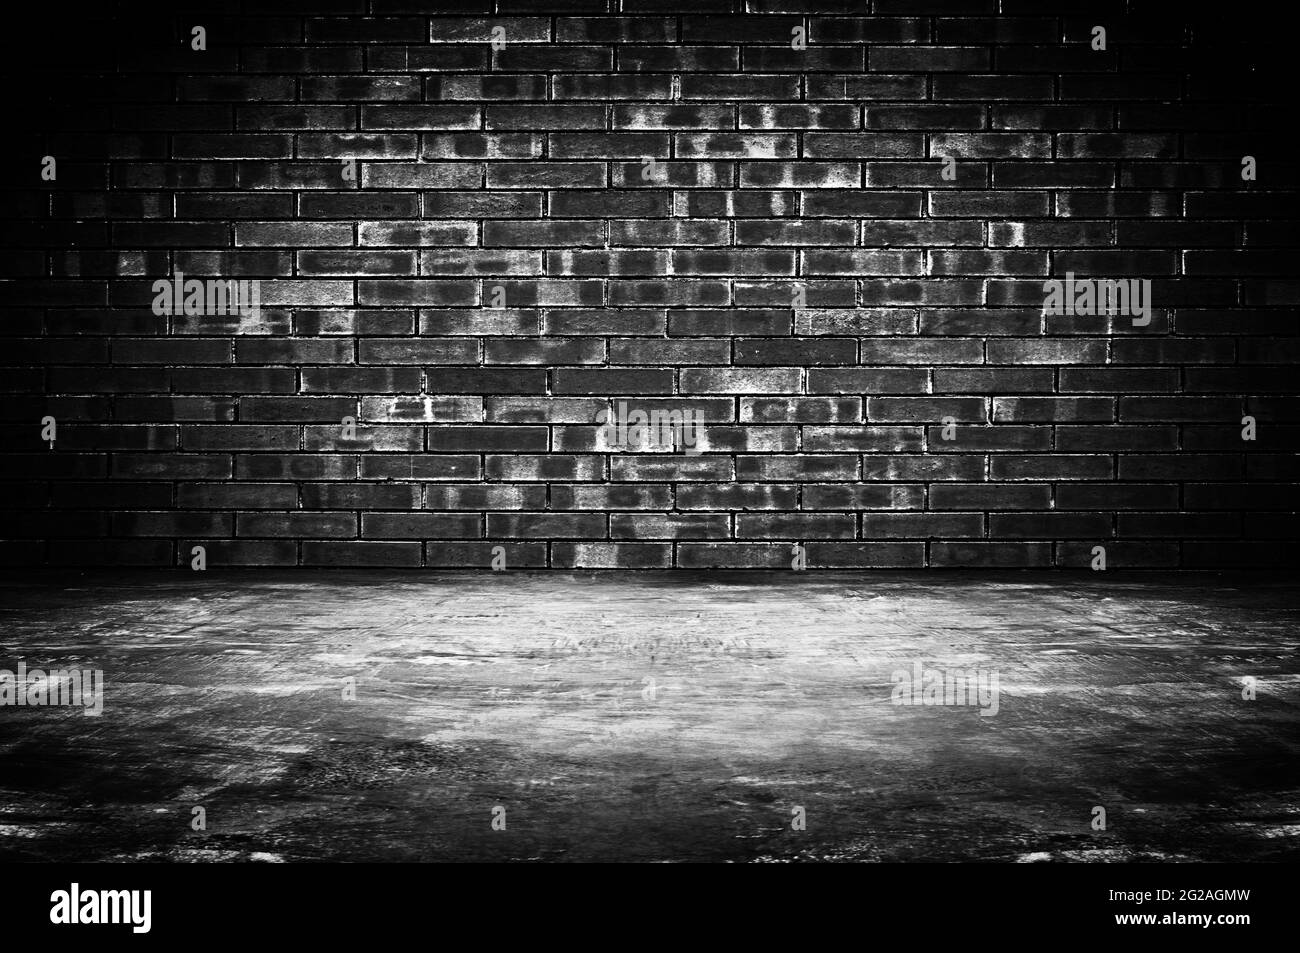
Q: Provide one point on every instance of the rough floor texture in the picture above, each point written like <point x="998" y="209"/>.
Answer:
<point x="769" y="692"/>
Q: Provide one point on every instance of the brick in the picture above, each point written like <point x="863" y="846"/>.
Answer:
<point x="922" y="525"/>
<point x="795" y="526"/>
<point x="1052" y="409"/>
<point x="304" y="525"/>
<point x="1120" y="555"/>
<point x="360" y="496"/>
<point x="1129" y="496"/>
<point x="543" y="467"/>
<point x="801" y="409"/>
<point x="878" y="87"/>
<point x="444" y="496"/>
<point x="740" y="381"/>
<point x="827" y="439"/>
<point x="664" y="467"/>
<point x="384" y="466"/>
<point x="989" y="496"/>
<point x="736" y="496"/>
<point x="610" y="497"/>
<point x="991" y="554"/>
<point x="867" y="380"/>
<point x="549" y="234"/>
<point x="863" y="496"/>
<point x="955" y="467"/>
<point x="669" y="287"/>
<point x="1059" y="466"/>
<point x="733" y="556"/>
<point x="340" y="553"/>
<point x="420" y="526"/>
<point x="874" y="555"/>
<point x="798" y="467"/>
<point x="547" y="525"/>
<point x="684" y="58"/>
<point x="480" y="555"/>
<point x="611" y="555"/>
<point x="1092" y="526"/>
<point x="669" y="526"/>
<point x="926" y="409"/>
<point x="795" y="175"/>
<point x="673" y="117"/>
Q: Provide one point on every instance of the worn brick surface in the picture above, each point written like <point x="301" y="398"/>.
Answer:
<point x="465" y="249"/>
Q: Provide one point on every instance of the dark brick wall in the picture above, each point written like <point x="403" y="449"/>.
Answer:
<point x="669" y="285"/>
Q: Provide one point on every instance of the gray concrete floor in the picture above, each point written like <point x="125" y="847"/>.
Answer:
<point x="532" y="692"/>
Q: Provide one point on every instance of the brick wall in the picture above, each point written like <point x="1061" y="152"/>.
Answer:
<point x="467" y="250"/>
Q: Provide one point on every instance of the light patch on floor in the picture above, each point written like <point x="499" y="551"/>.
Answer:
<point x="654" y="717"/>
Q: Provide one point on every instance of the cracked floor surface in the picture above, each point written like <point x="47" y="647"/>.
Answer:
<point x="358" y="715"/>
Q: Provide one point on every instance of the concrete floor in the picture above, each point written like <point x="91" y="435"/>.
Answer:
<point x="531" y="692"/>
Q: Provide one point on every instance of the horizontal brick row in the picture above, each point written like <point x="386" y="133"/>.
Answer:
<point x="480" y="555"/>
